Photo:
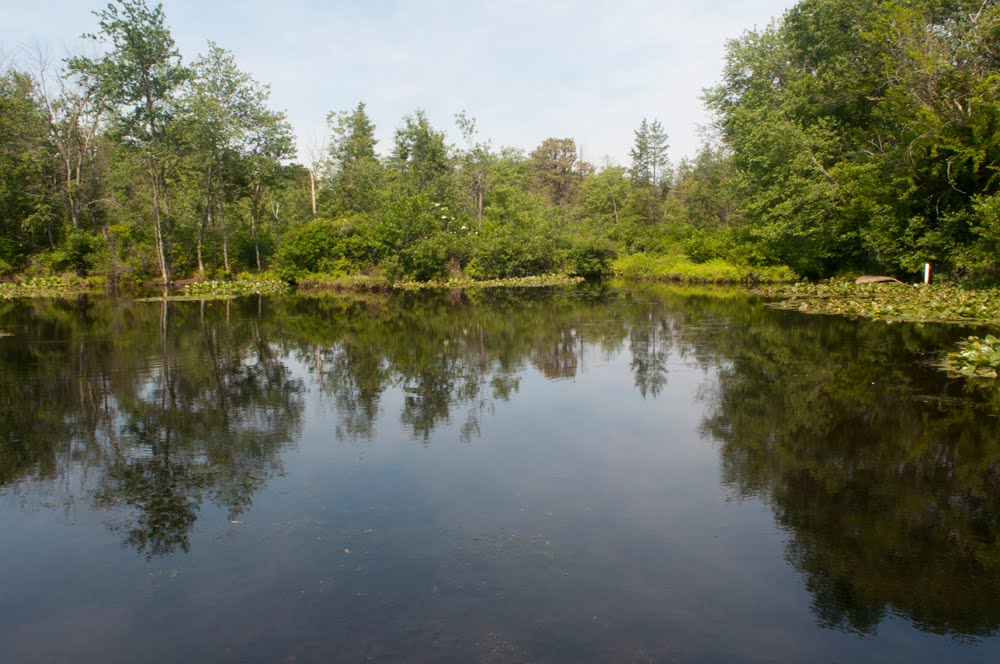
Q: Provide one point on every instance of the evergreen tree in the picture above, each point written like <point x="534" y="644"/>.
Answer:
<point x="650" y="163"/>
<point x="354" y="173"/>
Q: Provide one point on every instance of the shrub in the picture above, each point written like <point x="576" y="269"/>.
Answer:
<point x="591" y="258"/>
<point x="306" y="248"/>
<point x="512" y="253"/>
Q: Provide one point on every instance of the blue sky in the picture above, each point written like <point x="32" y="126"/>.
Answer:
<point x="526" y="70"/>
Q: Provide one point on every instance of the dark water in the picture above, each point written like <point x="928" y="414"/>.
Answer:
<point x="629" y="476"/>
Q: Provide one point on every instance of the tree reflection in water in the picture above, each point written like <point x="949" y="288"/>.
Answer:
<point x="170" y="404"/>
<point x="884" y="473"/>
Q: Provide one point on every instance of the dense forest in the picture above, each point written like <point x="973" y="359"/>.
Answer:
<point x="849" y="135"/>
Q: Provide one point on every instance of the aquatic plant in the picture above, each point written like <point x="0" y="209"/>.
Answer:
<point x="53" y="286"/>
<point x="244" y="285"/>
<point x="894" y="302"/>
<point x="976" y="357"/>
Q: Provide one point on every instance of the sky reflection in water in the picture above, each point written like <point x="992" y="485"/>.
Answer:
<point x="593" y="475"/>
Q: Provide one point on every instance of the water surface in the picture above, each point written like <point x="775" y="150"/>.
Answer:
<point x="571" y="475"/>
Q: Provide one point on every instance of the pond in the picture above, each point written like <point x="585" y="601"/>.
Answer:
<point x="584" y="474"/>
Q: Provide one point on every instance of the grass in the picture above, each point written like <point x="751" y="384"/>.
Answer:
<point x="680" y="268"/>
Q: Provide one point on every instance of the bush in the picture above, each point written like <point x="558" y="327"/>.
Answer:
<point x="78" y="254"/>
<point x="306" y="248"/>
<point x="591" y="259"/>
<point x="702" y="247"/>
<point x="512" y="253"/>
<point x="436" y="257"/>
<point x="327" y="246"/>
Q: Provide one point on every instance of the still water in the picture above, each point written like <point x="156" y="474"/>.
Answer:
<point x="572" y="475"/>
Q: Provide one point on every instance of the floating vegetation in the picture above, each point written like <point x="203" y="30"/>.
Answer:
<point x="976" y="358"/>
<point x="348" y="282"/>
<point x="44" y="287"/>
<point x="364" y="282"/>
<point x="510" y="282"/>
<point x="888" y="301"/>
<point x="243" y="285"/>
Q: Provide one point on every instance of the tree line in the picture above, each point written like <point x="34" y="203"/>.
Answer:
<point x="848" y="135"/>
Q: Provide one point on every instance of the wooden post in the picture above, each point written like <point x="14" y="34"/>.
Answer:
<point x="927" y="273"/>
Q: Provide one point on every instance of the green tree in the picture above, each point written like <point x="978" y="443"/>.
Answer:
<point x="355" y="173"/>
<point x="421" y="156"/>
<point x="219" y="109"/>
<point x="269" y="142"/>
<point x="557" y="170"/>
<point x="25" y="202"/>
<point x="73" y="110"/>
<point x="475" y="168"/>
<point x="604" y="196"/>
<point x="650" y="161"/>
<point x="138" y="76"/>
<point x="863" y="134"/>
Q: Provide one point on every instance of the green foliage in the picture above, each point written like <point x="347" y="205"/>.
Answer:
<point x="421" y="157"/>
<point x="591" y="258"/>
<point x="354" y="172"/>
<point x="896" y="302"/>
<point x="242" y="285"/>
<point x="307" y="249"/>
<point x="52" y="286"/>
<point x="25" y="203"/>
<point x="79" y="253"/>
<point x="680" y="268"/>
<point x="650" y="165"/>
<point x="507" y="251"/>
<point x="976" y="358"/>
<point x="864" y="134"/>
<point x="427" y="258"/>
<point x="557" y="170"/>
<point x="701" y="246"/>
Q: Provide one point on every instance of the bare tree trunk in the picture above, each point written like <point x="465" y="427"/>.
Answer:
<point x="158" y="225"/>
<point x="225" y="241"/>
<point x="255" y="203"/>
<point x="206" y="220"/>
<point x="254" y="223"/>
<point x="479" y="201"/>
<point x="275" y="212"/>
<point x="312" y="190"/>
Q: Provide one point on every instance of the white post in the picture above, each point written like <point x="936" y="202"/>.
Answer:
<point x="927" y="273"/>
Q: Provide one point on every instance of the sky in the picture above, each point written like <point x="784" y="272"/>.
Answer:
<point x="526" y="70"/>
